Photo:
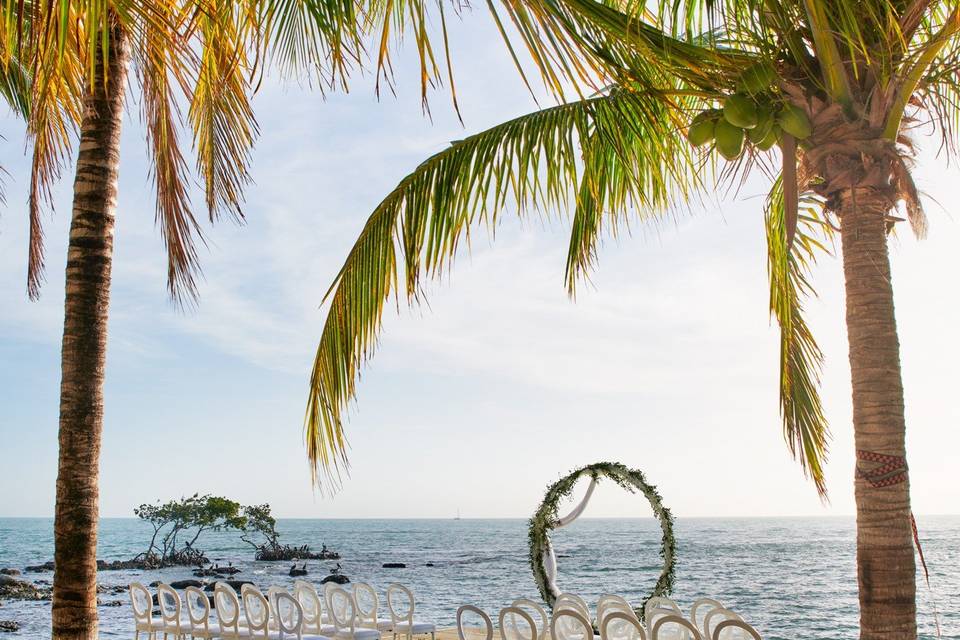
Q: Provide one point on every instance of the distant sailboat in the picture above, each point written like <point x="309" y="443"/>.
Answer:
<point x="458" y="515"/>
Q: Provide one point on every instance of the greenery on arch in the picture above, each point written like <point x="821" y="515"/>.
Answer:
<point x="633" y="480"/>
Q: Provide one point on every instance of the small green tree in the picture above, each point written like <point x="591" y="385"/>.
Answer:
<point x="259" y="521"/>
<point x="192" y="515"/>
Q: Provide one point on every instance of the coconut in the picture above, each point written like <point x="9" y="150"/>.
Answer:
<point x="793" y="120"/>
<point x="701" y="128"/>
<point x="740" y="111"/>
<point x="772" y="137"/>
<point x="765" y="122"/>
<point x="757" y="78"/>
<point x="729" y="139"/>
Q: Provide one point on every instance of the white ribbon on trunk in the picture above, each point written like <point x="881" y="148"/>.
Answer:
<point x="549" y="557"/>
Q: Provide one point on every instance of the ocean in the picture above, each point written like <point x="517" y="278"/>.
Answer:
<point x="792" y="578"/>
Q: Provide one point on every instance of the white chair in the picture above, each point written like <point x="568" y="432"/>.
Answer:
<point x="402" y="617"/>
<point x="227" y="604"/>
<point x="256" y="610"/>
<point x="472" y="610"/>
<point x="142" y="603"/>
<point x="659" y="602"/>
<point x="289" y="615"/>
<point x="313" y="610"/>
<point x="570" y="624"/>
<point x="171" y="610"/>
<point x="570" y="600"/>
<point x="701" y="607"/>
<point x="674" y="627"/>
<point x="290" y="618"/>
<point x="198" y="609"/>
<point x="735" y="630"/>
<point x="367" y="603"/>
<point x="543" y="622"/>
<point x="610" y="603"/>
<point x="511" y="630"/>
<point x="621" y="625"/>
<point x="714" y="617"/>
<point x="271" y="595"/>
<point x="343" y="612"/>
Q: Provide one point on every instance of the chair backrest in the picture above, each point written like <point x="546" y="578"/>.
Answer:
<point x="272" y="592"/>
<point x="685" y="631"/>
<point x="170" y="605"/>
<point x="256" y="610"/>
<point x="142" y="603"/>
<point x="401" y="603"/>
<point x="227" y="604"/>
<point x="511" y="630"/>
<point x="714" y="617"/>
<point x="198" y="608"/>
<point x="734" y="630"/>
<point x="570" y="624"/>
<point x="327" y="588"/>
<point x="621" y="625"/>
<point x="659" y="602"/>
<point x="701" y="607"/>
<point x="610" y="603"/>
<point x="568" y="600"/>
<point x="474" y="611"/>
<point x="543" y="622"/>
<point x="366" y="600"/>
<point x="289" y="614"/>
<point x="342" y="610"/>
<point x="310" y="603"/>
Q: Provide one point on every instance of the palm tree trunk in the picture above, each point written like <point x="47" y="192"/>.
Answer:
<point x="886" y="571"/>
<point x="89" y="258"/>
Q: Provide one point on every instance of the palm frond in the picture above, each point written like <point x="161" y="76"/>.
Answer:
<point x="162" y="80"/>
<point x="220" y="114"/>
<point x="306" y="38"/>
<point x="804" y="425"/>
<point x="634" y="154"/>
<point x="54" y="110"/>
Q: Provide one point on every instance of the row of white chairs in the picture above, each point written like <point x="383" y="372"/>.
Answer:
<point x="616" y="619"/>
<point x="338" y="615"/>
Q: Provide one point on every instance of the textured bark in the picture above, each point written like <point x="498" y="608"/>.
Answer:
<point x="89" y="258"/>
<point x="886" y="571"/>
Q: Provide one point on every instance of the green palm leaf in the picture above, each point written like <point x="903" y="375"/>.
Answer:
<point x="625" y="150"/>
<point x="805" y="427"/>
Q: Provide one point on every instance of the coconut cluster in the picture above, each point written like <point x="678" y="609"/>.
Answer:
<point x="754" y="113"/>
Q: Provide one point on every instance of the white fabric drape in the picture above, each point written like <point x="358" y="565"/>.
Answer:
<point x="549" y="557"/>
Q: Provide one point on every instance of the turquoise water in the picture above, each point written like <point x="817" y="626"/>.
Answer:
<point x="790" y="577"/>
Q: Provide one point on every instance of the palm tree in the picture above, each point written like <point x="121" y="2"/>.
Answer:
<point x="820" y="97"/>
<point x="77" y="56"/>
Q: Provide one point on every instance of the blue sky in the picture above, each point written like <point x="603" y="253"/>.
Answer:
<point x="667" y="362"/>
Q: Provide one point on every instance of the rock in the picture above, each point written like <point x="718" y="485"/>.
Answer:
<point x="10" y="572"/>
<point x="430" y="564"/>
<point x="40" y="568"/>
<point x="119" y="565"/>
<point x="183" y="584"/>
<point x="336" y="578"/>
<point x="9" y="626"/>
<point x="155" y="584"/>
<point x="236" y="584"/>
<point x="394" y="565"/>
<point x="111" y="603"/>
<point x="14" y="589"/>
<point x="216" y="571"/>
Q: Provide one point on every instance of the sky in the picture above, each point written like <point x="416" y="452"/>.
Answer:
<point x="667" y="361"/>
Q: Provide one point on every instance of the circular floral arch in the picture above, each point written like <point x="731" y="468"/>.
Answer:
<point x="543" y="561"/>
